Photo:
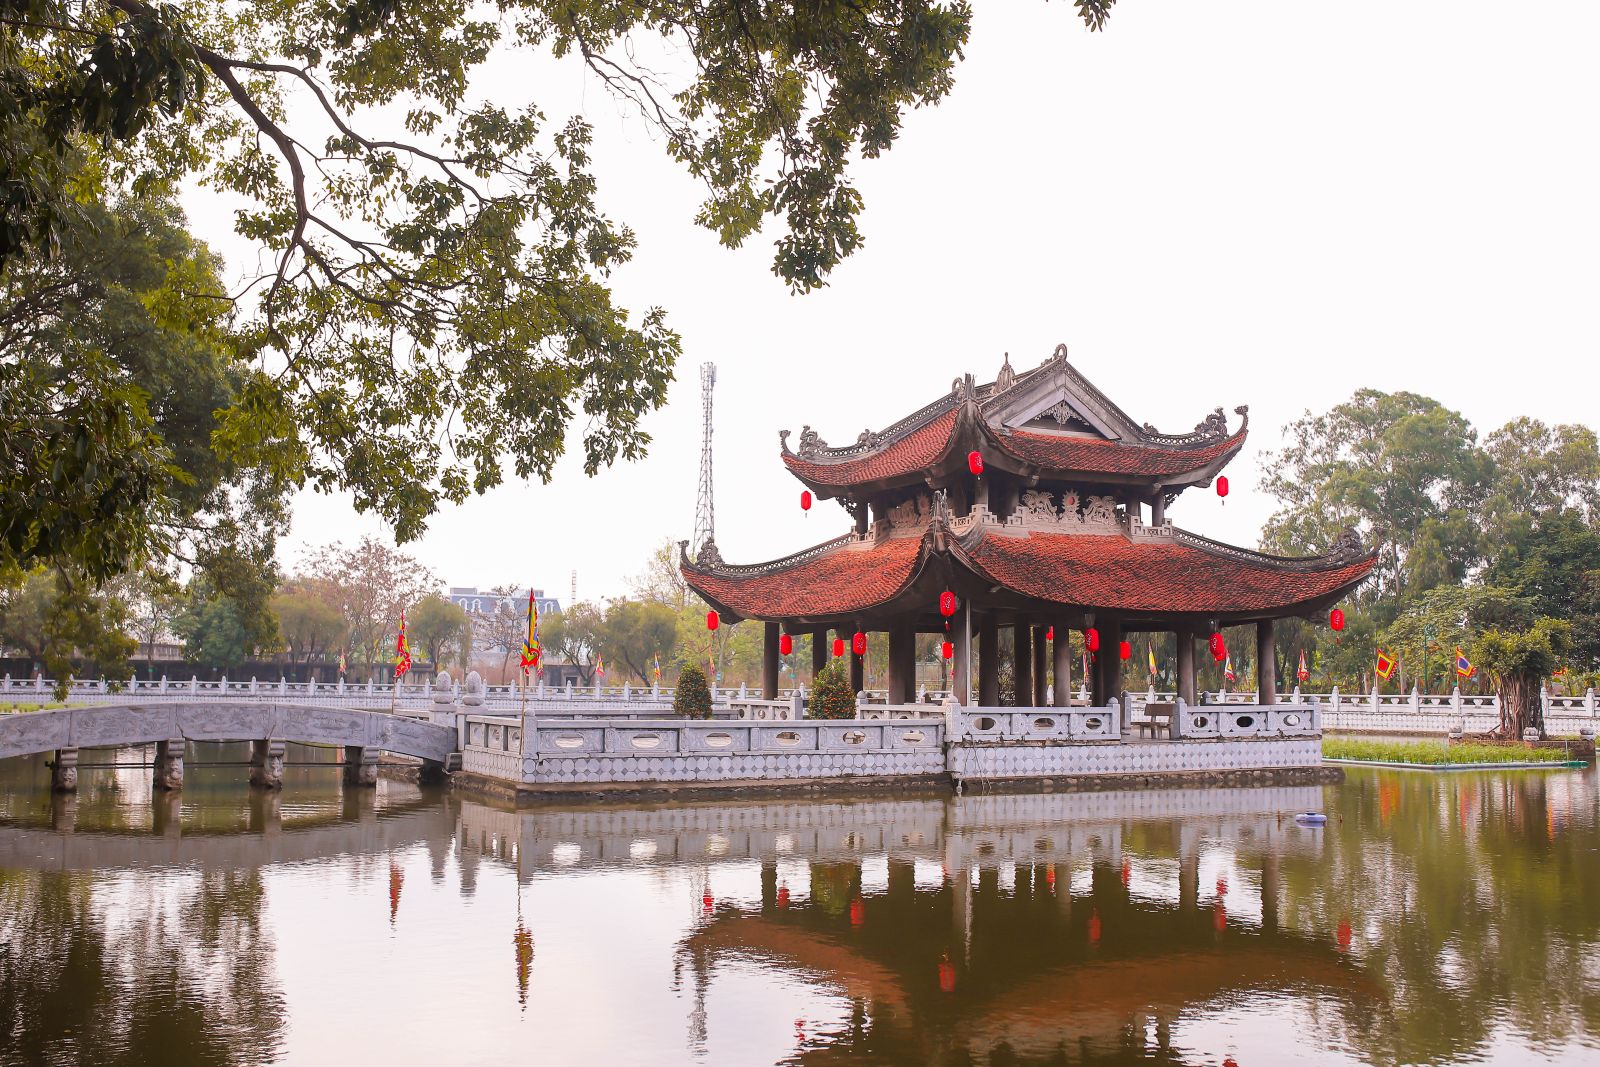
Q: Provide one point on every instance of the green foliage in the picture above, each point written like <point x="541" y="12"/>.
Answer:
<point x="441" y="630"/>
<point x="1434" y="754"/>
<point x="57" y="621"/>
<point x="309" y="625"/>
<point x="692" y="698"/>
<point x="1519" y="658"/>
<point x="211" y="630"/>
<point x="1554" y="560"/>
<point x="635" y="632"/>
<point x="831" y="696"/>
<point x="575" y="635"/>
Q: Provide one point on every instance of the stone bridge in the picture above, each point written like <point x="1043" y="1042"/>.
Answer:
<point x="267" y="726"/>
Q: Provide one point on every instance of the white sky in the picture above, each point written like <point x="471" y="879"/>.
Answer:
<point x="1266" y="203"/>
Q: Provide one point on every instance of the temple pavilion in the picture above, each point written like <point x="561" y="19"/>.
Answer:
<point x="1043" y="507"/>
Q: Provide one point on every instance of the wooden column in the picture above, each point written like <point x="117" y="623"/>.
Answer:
<point x="1188" y="688"/>
<point x="1041" y="681"/>
<point x="988" y="662"/>
<point x="1022" y="671"/>
<point x="769" y="661"/>
<point x="961" y="663"/>
<point x="1063" y="653"/>
<point x="819" y="654"/>
<point x="902" y="664"/>
<point x="1108" y="664"/>
<point x="1266" y="663"/>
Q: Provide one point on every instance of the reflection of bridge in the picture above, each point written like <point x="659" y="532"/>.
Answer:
<point x="267" y="726"/>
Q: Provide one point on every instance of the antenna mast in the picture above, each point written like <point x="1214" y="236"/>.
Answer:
<point x="705" y="519"/>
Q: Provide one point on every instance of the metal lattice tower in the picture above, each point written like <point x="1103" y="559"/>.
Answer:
<point x="705" y="518"/>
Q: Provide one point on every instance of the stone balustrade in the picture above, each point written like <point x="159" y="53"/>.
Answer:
<point x="1038" y="724"/>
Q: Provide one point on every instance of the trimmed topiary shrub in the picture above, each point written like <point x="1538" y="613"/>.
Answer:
<point x="832" y="697"/>
<point x="692" y="699"/>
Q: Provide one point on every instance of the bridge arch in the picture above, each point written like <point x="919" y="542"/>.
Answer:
<point x="138" y="723"/>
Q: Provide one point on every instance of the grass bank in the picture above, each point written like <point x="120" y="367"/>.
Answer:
<point x="1436" y="754"/>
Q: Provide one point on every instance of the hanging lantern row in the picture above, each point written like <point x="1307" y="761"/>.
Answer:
<point x="838" y="646"/>
<point x="858" y="644"/>
<point x="947" y="603"/>
<point x="712" y="622"/>
<point x="1336" y="619"/>
<point x="785" y="644"/>
<point x="805" y="500"/>
<point x="948" y="650"/>
<point x="975" y="462"/>
<point x="1125" y="650"/>
<point x="1091" y="639"/>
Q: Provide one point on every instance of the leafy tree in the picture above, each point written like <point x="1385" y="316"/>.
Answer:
<point x="831" y="697"/>
<point x="636" y="631"/>
<point x="309" y="624"/>
<point x="434" y="304"/>
<point x="1554" y="559"/>
<point x="440" y="628"/>
<point x="692" y="698"/>
<point x="1400" y="465"/>
<point x="25" y="613"/>
<point x="211" y="629"/>
<point x="56" y="622"/>
<point x="661" y="579"/>
<point x="1519" y="659"/>
<point x="371" y="583"/>
<point x="575" y="635"/>
<point x="1540" y="470"/>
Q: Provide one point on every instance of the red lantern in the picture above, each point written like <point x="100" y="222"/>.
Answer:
<point x="947" y="976"/>
<point x="783" y="896"/>
<point x="785" y="644"/>
<point x="1216" y="645"/>
<point x="975" y="462"/>
<point x="838" y="646"/>
<point x="712" y="622"/>
<point x="1094" y="928"/>
<point x="1125" y="650"/>
<point x="858" y="912"/>
<point x="1222" y="485"/>
<point x="1050" y="634"/>
<point x="858" y="644"/>
<point x="1336" y="619"/>
<point x="805" y="500"/>
<point x="947" y="603"/>
<point x="1091" y="639"/>
<point x="948" y="650"/>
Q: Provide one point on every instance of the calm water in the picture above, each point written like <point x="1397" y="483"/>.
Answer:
<point x="1437" y="919"/>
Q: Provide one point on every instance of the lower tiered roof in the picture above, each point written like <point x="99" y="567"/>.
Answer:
<point x="1146" y="573"/>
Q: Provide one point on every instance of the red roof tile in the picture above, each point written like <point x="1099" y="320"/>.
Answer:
<point x="911" y="453"/>
<point x="1061" y="453"/>
<point x="836" y="582"/>
<point x="1109" y="571"/>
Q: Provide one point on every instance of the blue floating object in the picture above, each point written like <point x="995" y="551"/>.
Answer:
<point x="1311" y="818"/>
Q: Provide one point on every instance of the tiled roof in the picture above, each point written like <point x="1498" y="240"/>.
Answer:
<point x="911" y="453"/>
<point x="1109" y="571"/>
<point x="1059" y="452"/>
<point x="837" y="581"/>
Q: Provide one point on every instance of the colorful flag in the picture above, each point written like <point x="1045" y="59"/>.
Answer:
<point x="1464" y="667"/>
<point x="530" y="640"/>
<point x="342" y="667"/>
<point x="1386" y="665"/>
<point x="1227" y="668"/>
<point x="1150" y="651"/>
<point x="658" y="668"/>
<point x="402" y="659"/>
<point x="1304" y="673"/>
<point x="599" y="666"/>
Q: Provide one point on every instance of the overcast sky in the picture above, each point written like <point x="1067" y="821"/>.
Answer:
<point x="1263" y="203"/>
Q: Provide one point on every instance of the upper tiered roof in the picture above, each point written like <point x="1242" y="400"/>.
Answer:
<point x="1049" y="424"/>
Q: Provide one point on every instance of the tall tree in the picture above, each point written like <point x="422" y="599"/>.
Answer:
<point x="637" y="631"/>
<point x="310" y="625"/>
<point x="440" y="629"/>
<point x="434" y="305"/>
<point x="371" y="582"/>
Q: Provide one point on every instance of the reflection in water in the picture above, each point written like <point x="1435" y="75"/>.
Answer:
<point x="1436" y="919"/>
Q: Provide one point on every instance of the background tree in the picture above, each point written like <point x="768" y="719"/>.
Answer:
<point x="661" y="581"/>
<point x="1519" y="658"/>
<point x="211" y="629"/>
<point x="502" y="628"/>
<point x="440" y="628"/>
<point x="309" y="624"/>
<point x="575" y="635"/>
<point x="637" y="631"/>
<point x="371" y="583"/>
<point x="25" y="613"/>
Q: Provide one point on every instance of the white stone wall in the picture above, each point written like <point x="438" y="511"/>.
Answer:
<point x="1014" y="760"/>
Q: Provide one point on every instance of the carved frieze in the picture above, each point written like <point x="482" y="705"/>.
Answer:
<point x="811" y="442"/>
<point x="1214" y="426"/>
<point x="909" y="514"/>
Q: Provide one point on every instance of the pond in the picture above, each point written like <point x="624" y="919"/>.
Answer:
<point x="1436" y="918"/>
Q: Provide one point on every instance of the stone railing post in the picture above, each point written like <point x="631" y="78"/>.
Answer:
<point x="1588" y="702"/>
<point x="163" y="683"/>
<point x="627" y="690"/>
<point x="797" y="705"/>
<point x="1316" y="714"/>
<point x="1455" y="700"/>
<point x="1126" y="706"/>
<point x="1544" y="700"/>
<point x="254" y="688"/>
<point x="1375" y="700"/>
<point x="1333" y="700"/>
<point x="1180" y="713"/>
<point x="742" y="694"/>
<point x="569" y="689"/>
<point x="1416" y="699"/>
<point x="38" y="682"/>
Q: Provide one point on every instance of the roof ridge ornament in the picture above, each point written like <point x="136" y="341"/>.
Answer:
<point x="1347" y="548"/>
<point x="1007" y="377"/>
